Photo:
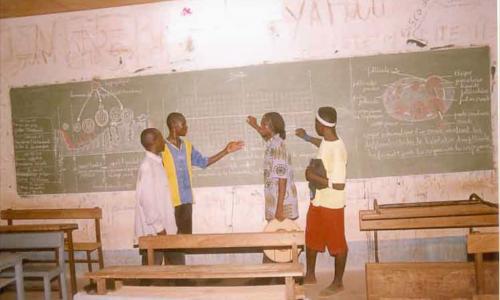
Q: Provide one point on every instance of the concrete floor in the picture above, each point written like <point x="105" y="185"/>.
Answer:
<point x="354" y="288"/>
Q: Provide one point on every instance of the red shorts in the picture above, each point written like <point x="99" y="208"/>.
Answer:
<point x="325" y="227"/>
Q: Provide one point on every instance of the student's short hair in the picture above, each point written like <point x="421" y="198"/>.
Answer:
<point x="328" y="114"/>
<point x="277" y="123"/>
<point x="148" y="137"/>
<point x="174" y="117"/>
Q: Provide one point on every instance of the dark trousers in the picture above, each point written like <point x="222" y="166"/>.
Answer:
<point x="184" y="222"/>
<point x="159" y="256"/>
<point x="184" y="218"/>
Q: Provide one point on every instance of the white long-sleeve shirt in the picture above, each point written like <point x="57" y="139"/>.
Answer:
<point x="153" y="209"/>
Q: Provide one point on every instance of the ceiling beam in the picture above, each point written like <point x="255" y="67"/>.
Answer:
<point x="23" y="8"/>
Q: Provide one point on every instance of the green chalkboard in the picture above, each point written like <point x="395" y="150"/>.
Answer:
<point x="399" y="114"/>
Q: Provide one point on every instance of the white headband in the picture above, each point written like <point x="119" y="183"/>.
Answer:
<point x="322" y="121"/>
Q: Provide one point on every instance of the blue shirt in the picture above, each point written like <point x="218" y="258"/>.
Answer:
<point x="181" y="169"/>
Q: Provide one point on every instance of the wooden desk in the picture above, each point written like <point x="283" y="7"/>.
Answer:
<point x="474" y="212"/>
<point x="66" y="228"/>
<point x="429" y="280"/>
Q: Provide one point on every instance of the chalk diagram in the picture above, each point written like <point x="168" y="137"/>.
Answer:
<point x="103" y="125"/>
<point x="414" y="99"/>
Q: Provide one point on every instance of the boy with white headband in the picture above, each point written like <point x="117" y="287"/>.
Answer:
<point x="325" y="217"/>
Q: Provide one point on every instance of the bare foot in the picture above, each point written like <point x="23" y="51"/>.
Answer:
<point x="310" y="279"/>
<point x="331" y="290"/>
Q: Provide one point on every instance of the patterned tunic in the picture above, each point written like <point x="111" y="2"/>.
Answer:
<point x="278" y="164"/>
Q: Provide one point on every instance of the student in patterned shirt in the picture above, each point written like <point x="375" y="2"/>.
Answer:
<point x="279" y="185"/>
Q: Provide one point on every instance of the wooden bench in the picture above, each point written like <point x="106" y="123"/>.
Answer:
<point x="66" y="214"/>
<point x="477" y="244"/>
<point x="287" y="240"/>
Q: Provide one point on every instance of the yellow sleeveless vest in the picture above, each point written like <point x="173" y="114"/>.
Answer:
<point x="169" y="166"/>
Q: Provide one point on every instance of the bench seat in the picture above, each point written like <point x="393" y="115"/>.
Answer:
<point x="199" y="271"/>
<point x="84" y="246"/>
<point x="256" y="241"/>
<point x="265" y="292"/>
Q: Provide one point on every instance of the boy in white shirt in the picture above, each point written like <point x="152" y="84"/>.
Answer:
<point x="154" y="213"/>
<point x="325" y="217"/>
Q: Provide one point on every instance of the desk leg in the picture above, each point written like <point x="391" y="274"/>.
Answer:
<point x="19" y="280"/>
<point x="478" y="266"/>
<point x="376" y="245"/>
<point x="101" y="286"/>
<point x="290" y="288"/>
<point x="71" y="258"/>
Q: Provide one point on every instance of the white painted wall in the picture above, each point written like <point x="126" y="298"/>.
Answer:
<point x="198" y="35"/>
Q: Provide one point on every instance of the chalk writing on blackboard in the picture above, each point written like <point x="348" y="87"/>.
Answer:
<point x="399" y="114"/>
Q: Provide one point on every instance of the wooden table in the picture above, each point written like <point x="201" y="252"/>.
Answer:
<point x="429" y="280"/>
<point x="66" y="228"/>
<point x="474" y="212"/>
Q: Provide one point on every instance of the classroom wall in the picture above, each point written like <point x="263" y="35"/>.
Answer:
<point x="197" y="35"/>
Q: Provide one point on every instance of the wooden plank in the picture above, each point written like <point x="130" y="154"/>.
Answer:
<point x="290" y="288"/>
<point x="435" y="211"/>
<point x="443" y="280"/>
<point x="486" y="297"/>
<point x="479" y="273"/>
<point x="233" y="240"/>
<point x="430" y="222"/>
<point x="37" y="227"/>
<point x="261" y="292"/>
<point x="86" y="246"/>
<point x="151" y="257"/>
<point x="50" y="214"/>
<point x="101" y="286"/>
<point x="20" y="8"/>
<point x="365" y="212"/>
<point x="199" y="271"/>
<point x="300" y="291"/>
<point x="118" y="284"/>
<point x="295" y="253"/>
<point x="6" y="281"/>
<point x="429" y="203"/>
<point x="473" y="199"/>
<point x="482" y="242"/>
<point x="479" y="243"/>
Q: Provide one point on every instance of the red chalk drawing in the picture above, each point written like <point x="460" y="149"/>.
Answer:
<point x="415" y="99"/>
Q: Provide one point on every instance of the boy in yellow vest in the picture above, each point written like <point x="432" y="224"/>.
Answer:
<point x="178" y="158"/>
